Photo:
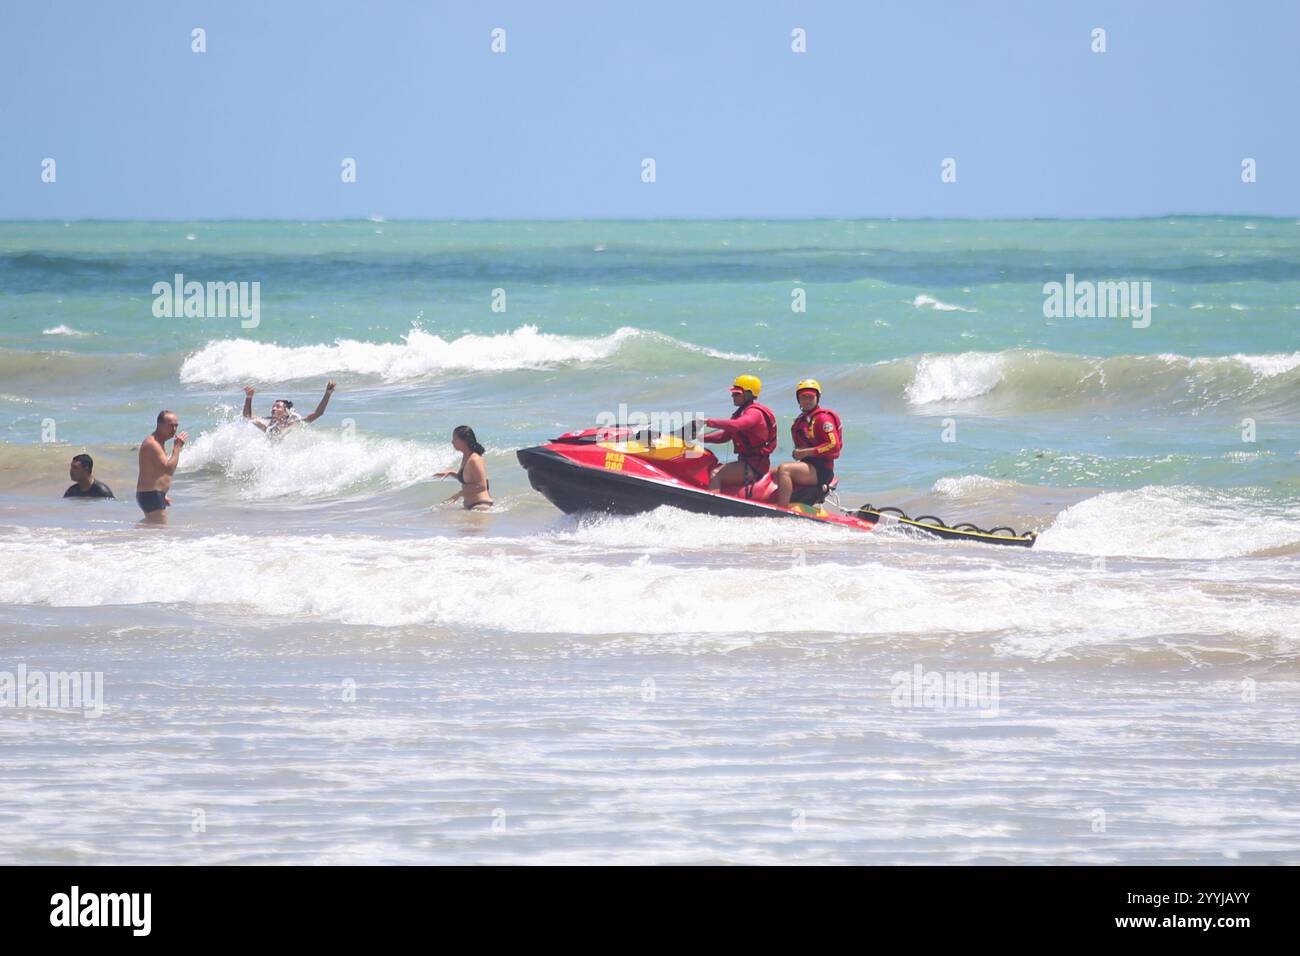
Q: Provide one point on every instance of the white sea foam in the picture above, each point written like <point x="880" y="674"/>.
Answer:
<point x="955" y="378"/>
<point x="1171" y="522"/>
<point x="929" y="302"/>
<point x="670" y="531"/>
<point x="311" y="461"/>
<point x="420" y="354"/>
<point x="65" y="330"/>
<point x="962" y="376"/>
<point x="517" y="586"/>
<point x="967" y="486"/>
<point x="1268" y="366"/>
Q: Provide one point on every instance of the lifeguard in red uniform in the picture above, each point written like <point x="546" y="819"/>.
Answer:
<point x="751" y="429"/>
<point x="818" y="440"/>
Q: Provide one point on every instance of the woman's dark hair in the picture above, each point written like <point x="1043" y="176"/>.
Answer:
<point x="466" y="434"/>
<point x="287" y="404"/>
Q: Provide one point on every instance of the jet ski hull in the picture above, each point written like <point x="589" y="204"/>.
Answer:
<point x="574" y="488"/>
<point x="579" y="472"/>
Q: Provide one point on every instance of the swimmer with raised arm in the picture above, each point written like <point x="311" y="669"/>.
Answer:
<point x="283" y="417"/>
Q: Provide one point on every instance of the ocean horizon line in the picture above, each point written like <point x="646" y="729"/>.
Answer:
<point x="666" y="219"/>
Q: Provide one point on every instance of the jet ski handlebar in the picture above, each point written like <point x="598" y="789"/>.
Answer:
<point x="688" y="432"/>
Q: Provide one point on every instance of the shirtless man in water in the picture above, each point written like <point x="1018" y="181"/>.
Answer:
<point x="156" y="468"/>
<point x="283" y="417"/>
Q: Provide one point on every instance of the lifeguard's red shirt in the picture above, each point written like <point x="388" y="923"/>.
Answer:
<point x="821" y="431"/>
<point x="752" y="430"/>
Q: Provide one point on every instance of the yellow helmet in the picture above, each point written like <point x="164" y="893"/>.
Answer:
<point x="809" y="383"/>
<point x="748" y="383"/>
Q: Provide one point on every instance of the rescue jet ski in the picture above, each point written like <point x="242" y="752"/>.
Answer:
<point x="629" y="471"/>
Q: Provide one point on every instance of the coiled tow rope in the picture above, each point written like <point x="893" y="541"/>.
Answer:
<point x="937" y="525"/>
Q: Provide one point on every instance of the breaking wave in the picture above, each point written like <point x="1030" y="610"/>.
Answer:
<point x="420" y="355"/>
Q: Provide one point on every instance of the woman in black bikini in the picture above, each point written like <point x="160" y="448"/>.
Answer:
<point x="472" y="476"/>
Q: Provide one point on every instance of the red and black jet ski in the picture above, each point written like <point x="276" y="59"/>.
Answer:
<point x="629" y="471"/>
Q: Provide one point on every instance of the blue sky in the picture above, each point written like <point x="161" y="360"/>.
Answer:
<point x="557" y="127"/>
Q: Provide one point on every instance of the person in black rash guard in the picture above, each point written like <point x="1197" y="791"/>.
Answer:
<point x="86" y="486"/>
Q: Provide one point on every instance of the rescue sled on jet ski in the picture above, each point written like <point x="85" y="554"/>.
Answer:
<point x="628" y="471"/>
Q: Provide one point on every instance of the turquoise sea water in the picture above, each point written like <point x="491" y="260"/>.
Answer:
<point x="907" y="323"/>
<point x="503" y="660"/>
